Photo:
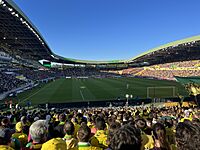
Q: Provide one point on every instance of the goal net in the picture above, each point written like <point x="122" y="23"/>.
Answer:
<point x="161" y="92"/>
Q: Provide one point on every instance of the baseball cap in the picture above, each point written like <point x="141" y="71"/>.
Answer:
<point x="54" y="144"/>
<point x="18" y="127"/>
<point x="48" y="117"/>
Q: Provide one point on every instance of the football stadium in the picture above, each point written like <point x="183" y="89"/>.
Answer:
<point x="156" y="91"/>
<point x="38" y="76"/>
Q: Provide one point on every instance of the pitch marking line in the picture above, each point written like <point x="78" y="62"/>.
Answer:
<point x="82" y="95"/>
<point x="34" y="94"/>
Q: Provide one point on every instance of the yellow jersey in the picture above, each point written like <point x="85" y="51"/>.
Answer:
<point x="70" y="142"/>
<point x="147" y="141"/>
<point x="101" y="136"/>
<point x="5" y="147"/>
<point x="22" y="137"/>
<point x="87" y="146"/>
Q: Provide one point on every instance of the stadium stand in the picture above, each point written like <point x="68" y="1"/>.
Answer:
<point x="166" y="71"/>
<point x="9" y="82"/>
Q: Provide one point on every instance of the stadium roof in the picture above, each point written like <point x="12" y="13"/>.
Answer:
<point x="180" y="50"/>
<point x="20" y="37"/>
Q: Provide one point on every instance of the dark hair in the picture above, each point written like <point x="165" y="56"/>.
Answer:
<point x="5" y="136"/>
<point x="187" y="136"/>
<point x="126" y="138"/>
<point x="141" y="124"/>
<point x="100" y="123"/>
<point x="69" y="128"/>
<point x="114" y="126"/>
<point x="84" y="133"/>
<point x="23" y="119"/>
<point x="159" y="133"/>
<point x="5" y="121"/>
<point x="62" y="117"/>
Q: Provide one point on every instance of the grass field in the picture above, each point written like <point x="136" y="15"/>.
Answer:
<point x="79" y="90"/>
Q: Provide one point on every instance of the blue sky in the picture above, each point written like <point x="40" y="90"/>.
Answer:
<point x="111" y="29"/>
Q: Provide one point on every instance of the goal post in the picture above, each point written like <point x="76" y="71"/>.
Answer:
<point x="161" y="91"/>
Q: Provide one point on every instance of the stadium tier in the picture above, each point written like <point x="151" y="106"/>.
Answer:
<point x="166" y="71"/>
<point x="22" y="40"/>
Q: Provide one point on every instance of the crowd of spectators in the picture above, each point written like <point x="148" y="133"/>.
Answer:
<point x="169" y="74"/>
<point x="87" y="72"/>
<point x="167" y="71"/>
<point x="133" y="71"/>
<point x="9" y="82"/>
<point x="121" y="128"/>
<point x="4" y="55"/>
<point x="34" y="74"/>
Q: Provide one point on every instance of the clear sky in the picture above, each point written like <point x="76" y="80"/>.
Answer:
<point x="111" y="29"/>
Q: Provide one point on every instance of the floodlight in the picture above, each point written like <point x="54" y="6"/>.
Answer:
<point x="10" y="9"/>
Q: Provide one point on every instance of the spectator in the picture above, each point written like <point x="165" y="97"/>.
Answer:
<point x="38" y="133"/>
<point x="5" y="139"/>
<point x="147" y="140"/>
<point x="126" y="138"/>
<point x="160" y="138"/>
<point x="59" y="128"/>
<point x="83" y="136"/>
<point x="187" y="136"/>
<point x="71" y="142"/>
<point x="100" y="135"/>
<point x="22" y="137"/>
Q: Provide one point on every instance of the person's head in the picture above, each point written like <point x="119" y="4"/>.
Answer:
<point x="126" y="138"/>
<point x="5" y="136"/>
<point x="187" y="136"/>
<point x="48" y="118"/>
<point x="196" y="115"/>
<point x="69" y="128"/>
<point x="159" y="134"/>
<point x="114" y="126"/>
<point x="100" y="123"/>
<point x="149" y="122"/>
<point x="83" y="134"/>
<point x="23" y="120"/>
<point x="74" y="120"/>
<point x="141" y="124"/>
<point x="62" y="117"/>
<point x="5" y="122"/>
<point x="39" y="131"/>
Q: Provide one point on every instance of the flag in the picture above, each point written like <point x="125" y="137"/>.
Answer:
<point x="191" y="84"/>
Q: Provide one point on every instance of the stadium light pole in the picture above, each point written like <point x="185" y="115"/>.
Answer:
<point x="127" y="96"/>
<point x="131" y="96"/>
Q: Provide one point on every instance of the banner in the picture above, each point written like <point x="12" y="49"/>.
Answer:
<point x="191" y="84"/>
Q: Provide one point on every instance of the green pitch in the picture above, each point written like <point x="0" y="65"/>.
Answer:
<point x="79" y="90"/>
